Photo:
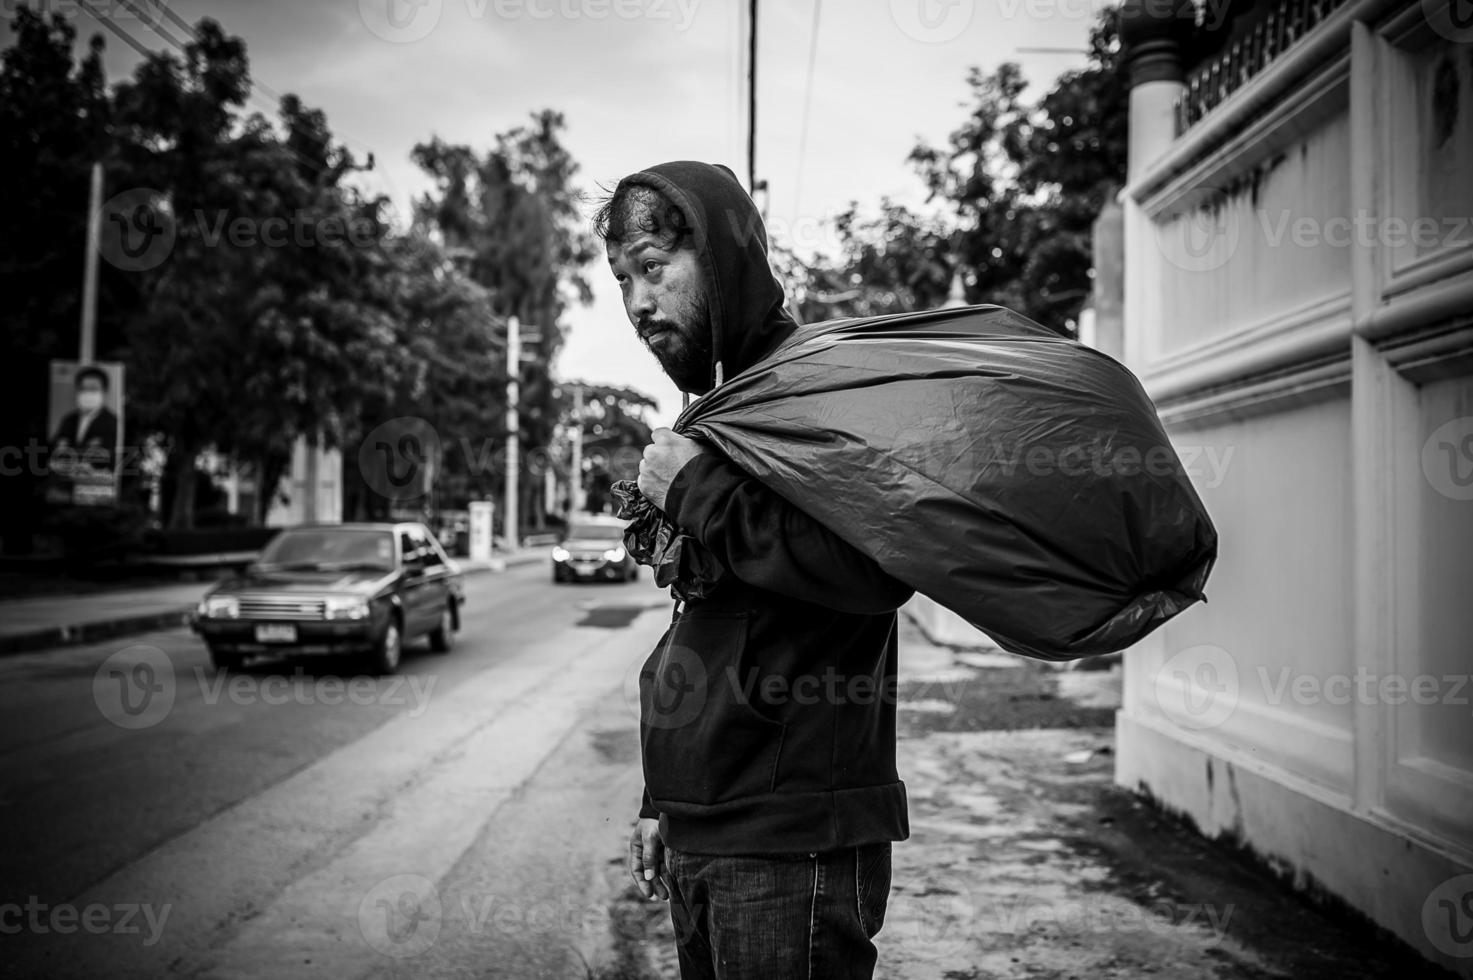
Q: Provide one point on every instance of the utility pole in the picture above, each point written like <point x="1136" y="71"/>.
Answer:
<point x="575" y="496"/>
<point x="752" y="99"/>
<point x="513" y="426"/>
<point x="89" y="268"/>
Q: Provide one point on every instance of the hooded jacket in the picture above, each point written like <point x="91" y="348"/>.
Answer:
<point x="768" y="707"/>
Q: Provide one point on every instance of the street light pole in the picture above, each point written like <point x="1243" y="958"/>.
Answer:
<point x="576" y="495"/>
<point x="89" y="268"/>
<point x="513" y="426"/>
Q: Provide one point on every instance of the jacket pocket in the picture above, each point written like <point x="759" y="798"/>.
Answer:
<point x="704" y="742"/>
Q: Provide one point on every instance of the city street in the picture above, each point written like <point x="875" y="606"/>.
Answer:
<point x="298" y="818"/>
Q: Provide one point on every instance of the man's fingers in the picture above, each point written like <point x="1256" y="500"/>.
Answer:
<point x="636" y="863"/>
<point x="654" y="851"/>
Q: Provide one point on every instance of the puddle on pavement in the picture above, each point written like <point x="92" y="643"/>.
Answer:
<point x="613" y="617"/>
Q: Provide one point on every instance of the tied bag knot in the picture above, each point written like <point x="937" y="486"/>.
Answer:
<point x="680" y="562"/>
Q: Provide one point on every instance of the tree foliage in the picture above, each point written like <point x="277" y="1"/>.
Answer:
<point x="284" y="306"/>
<point x="1016" y="190"/>
<point x="615" y="426"/>
<point x="511" y="217"/>
<point x="53" y="123"/>
<point x="890" y="263"/>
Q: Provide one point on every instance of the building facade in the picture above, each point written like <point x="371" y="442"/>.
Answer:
<point x="1299" y="303"/>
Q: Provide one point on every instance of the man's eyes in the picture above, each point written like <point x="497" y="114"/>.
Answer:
<point x="649" y="267"/>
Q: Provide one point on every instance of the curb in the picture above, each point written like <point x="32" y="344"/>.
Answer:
<point x="90" y="632"/>
<point x="94" y="630"/>
<point x="1103" y="661"/>
<point x="932" y="639"/>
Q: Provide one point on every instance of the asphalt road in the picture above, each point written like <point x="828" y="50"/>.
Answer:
<point x="296" y="819"/>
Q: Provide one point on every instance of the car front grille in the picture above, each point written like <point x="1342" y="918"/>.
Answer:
<point x="279" y="607"/>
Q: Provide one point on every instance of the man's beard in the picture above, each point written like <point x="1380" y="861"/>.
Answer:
<point x="684" y="353"/>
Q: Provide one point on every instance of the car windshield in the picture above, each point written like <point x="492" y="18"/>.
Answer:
<point x="595" y="532"/>
<point x="331" y="548"/>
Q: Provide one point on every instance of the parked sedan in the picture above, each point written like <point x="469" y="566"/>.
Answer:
<point x="593" y="549"/>
<point x="363" y="589"/>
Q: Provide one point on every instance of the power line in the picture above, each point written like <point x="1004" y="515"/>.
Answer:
<point x="153" y="24"/>
<point x="128" y="38"/>
<point x="807" y="104"/>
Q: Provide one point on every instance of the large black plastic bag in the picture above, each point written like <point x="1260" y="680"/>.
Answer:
<point x="1018" y="478"/>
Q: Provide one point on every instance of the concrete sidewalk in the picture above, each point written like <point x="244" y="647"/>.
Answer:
<point x="35" y="623"/>
<point x="1026" y="861"/>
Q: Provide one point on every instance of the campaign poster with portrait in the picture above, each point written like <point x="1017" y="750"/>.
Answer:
<point x="85" y="432"/>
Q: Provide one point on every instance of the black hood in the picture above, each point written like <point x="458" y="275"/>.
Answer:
<point x="745" y="299"/>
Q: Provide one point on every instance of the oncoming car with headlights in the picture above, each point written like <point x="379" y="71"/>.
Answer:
<point x="593" y="550"/>
<point x="362" y="589"/>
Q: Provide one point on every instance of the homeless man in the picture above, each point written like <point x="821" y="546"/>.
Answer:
<point x="767" y="709"/>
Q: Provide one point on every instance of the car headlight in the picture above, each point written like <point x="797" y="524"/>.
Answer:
<point x="219" y="607"/>
<point x="560" y="554"/>
<point x="614" y="554"/>
<point x="345" y="607"/>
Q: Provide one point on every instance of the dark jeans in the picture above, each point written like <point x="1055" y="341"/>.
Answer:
<point x="779" y="916"/>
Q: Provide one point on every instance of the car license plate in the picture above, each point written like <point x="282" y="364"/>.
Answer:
<point x="585" y="567"/>
<point x="276" y="633"/>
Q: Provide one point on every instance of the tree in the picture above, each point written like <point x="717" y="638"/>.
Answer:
<point x="54" y="115"/>
<point x="615" y="431"/>
<point x="895" y="262"/>
<point x="279" y="305"/>
<point x="264" y="322"/>
<point x="455" y="378"/>
<point x="1025" y="184"/>
<point x="1018" y="188"/>
<point x="511" y="218"/>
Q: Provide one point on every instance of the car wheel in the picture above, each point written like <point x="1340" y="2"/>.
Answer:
<point x="558" y="577"/>
<point x="390" y="648"/>
<point x="634" y="574"/>
<point x="222" y="659"/>
<point x="442" y="638"/>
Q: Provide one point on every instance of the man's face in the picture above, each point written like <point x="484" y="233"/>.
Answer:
<point x="90" y="395"/>
<point x="666" y="302"/>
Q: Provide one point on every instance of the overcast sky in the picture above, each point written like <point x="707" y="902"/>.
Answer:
<point x="639" y="81"/>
